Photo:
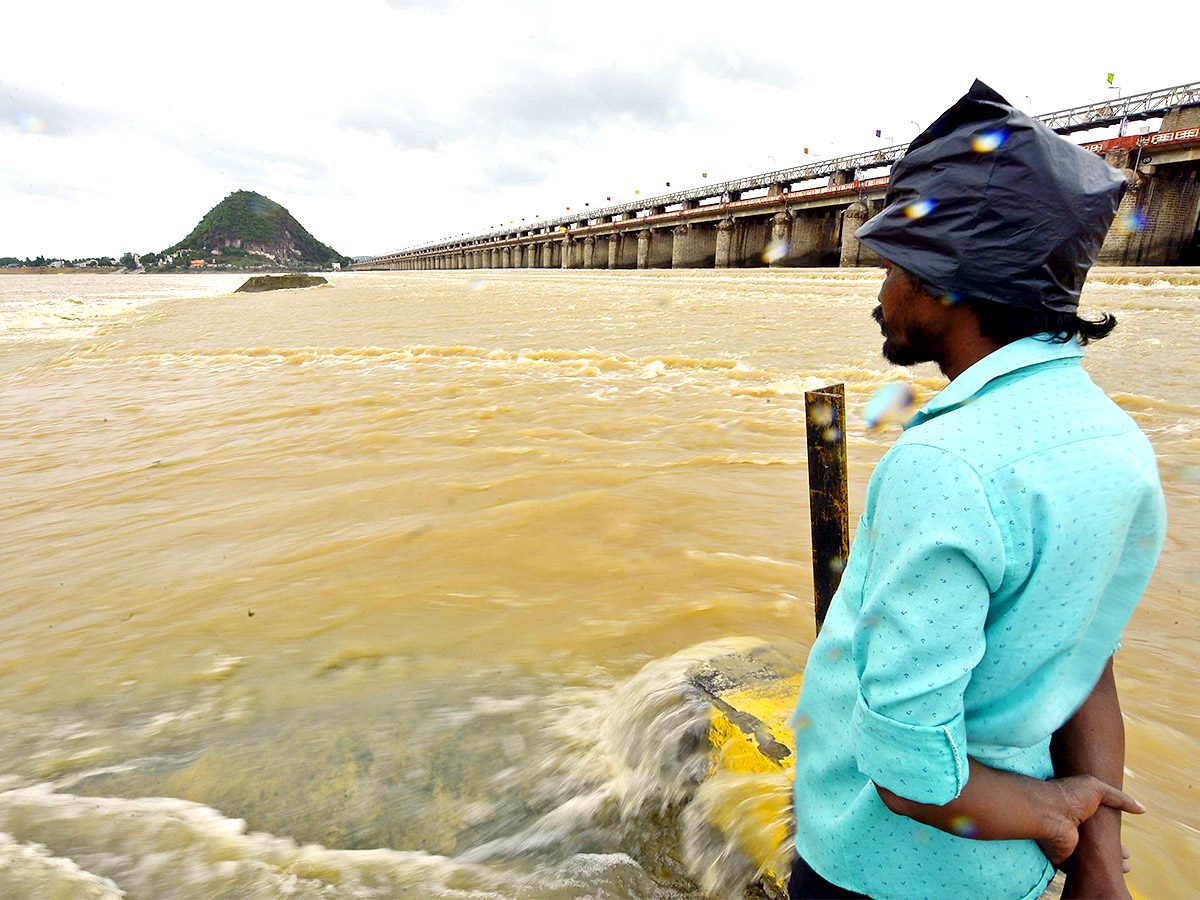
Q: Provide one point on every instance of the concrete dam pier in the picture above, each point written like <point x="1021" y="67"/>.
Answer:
<point x="807" y="215"/>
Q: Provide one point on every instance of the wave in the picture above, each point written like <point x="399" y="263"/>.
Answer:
<point x="585" y="361"/>
<point x="1157" y="278"/>
<point x="1141" y="406"/>
<point x="642" y="756"/>
<point x="35" y="313"/>
<point x="609" y="790"/>
<point x="30" y="870"/>
<point x="749" y="380"/>
<point x="106" y="848"/>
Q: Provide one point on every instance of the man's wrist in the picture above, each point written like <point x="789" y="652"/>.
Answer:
<point x="1094" y="851"/>
<point x="1090" y="857"/>
<point x="1099" y="847"/>
<point x="1102" y="831"/>
<point x="1088" y="884"/>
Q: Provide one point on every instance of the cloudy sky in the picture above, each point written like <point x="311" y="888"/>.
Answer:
<point x="384" y="123"/>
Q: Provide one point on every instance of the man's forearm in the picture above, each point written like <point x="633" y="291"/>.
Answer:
<point x="1092" y="742"/>
<point x="1081" y="804"/>
<point x="994" y="806"/>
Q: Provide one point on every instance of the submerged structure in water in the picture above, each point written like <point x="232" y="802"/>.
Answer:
<point x="260" y="283"/>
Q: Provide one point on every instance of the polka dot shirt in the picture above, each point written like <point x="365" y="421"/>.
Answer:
<point x="1006" y="538"/>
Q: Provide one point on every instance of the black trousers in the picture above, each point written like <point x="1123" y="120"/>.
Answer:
<point x="806" y="884"/>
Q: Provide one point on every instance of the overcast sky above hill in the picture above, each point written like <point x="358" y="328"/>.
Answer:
<point x="382" y="123"/>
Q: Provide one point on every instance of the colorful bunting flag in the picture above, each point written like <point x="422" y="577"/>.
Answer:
<point x="1110" y="77"/>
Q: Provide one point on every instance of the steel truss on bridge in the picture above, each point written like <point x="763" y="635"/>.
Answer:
<point x="1133" y="108"/>
<point x="1148" y="105"/>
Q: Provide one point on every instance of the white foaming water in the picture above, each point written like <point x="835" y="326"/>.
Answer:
<point x="30" y="870"/>
<point x="641" y="756"/>
<point x="35" y="308"/>
<point x="624" y="761"/>
<point x="163" y="847"/>
<point x="735" y="820"/>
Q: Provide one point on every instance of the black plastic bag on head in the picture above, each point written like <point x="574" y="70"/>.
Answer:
<point x="990" y="205"/>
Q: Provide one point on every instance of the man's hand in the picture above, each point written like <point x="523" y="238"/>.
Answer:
<point x="1003" y="806"/>
<point x="1079" y="797"/>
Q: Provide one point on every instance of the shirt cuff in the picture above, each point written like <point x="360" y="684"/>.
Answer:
<point x="922" y="763"/>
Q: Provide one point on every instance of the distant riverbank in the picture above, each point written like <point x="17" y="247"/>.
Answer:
<point x="61" y="270"/>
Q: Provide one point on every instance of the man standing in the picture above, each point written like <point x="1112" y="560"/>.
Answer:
<point x="958" y="732"/>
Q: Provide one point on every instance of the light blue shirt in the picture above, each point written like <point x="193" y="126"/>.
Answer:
<point x="1006" y="538"/>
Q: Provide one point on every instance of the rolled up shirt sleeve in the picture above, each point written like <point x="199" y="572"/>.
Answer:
<point x="937" y="556"/>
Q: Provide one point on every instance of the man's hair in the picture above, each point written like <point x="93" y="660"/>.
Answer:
<point x="1004" y="324"/>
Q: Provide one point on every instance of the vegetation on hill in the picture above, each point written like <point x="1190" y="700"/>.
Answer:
<point x="247" y="230"/>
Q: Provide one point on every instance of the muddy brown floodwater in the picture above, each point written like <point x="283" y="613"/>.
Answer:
<point x="344" y="592"/>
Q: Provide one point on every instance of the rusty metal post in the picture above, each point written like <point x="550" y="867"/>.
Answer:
<point x="828" y="493"/>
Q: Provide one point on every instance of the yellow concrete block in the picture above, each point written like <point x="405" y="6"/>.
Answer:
<point x="752" y="753"/>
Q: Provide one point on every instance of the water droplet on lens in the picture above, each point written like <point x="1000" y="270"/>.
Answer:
<point x="32" y="124"/>
<point x="891" y="403"/>
<point x="1130" y="223"/>
<point x="798" y="720"/>
<point x="919" y="209"/>
<point x="989" y="141"/>
<point x="963" y="826"/>
<point x="775" y="251"/>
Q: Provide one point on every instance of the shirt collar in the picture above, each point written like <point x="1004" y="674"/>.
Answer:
<point x="1020" y="354"/>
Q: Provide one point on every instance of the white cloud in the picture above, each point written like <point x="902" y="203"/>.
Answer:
<point x="381" y="123"/>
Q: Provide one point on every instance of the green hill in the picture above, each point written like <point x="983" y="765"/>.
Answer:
<point x="248" y="230"/>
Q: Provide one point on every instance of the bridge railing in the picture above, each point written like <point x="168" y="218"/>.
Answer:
<point x="863" y="160"/>
<point x="1133" y="107"/>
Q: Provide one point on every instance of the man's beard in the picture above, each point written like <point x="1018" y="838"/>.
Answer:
<point x="919" y="345"/>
